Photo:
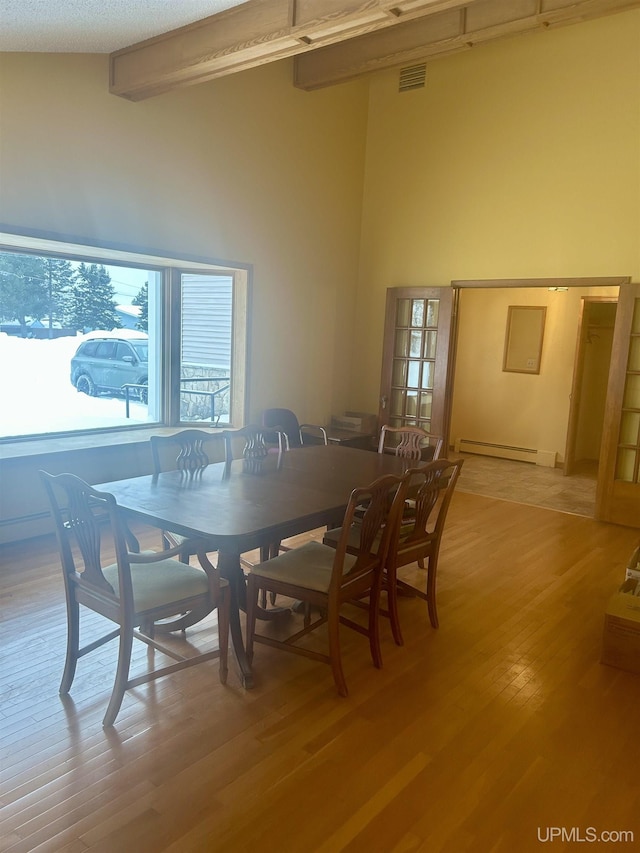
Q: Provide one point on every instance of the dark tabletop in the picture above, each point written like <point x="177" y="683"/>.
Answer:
<point x="240" y="507"/>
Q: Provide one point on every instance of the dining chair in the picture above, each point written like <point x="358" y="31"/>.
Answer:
<point x="189" y="451"/>
<point x="104" y="570"/>
<point x="410" y="442"/>
<point x="286" y="421"/>
<point x="427" y="502"/>
<point x="295" y="433"/>
<point x="252" y="443"/>
<point x="327" y="578"/>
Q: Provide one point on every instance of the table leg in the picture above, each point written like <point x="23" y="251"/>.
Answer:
<point x="230" y="569"/>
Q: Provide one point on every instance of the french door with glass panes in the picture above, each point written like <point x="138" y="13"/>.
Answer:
<point x="618" y="495"/>
<point x="415" y="358"/>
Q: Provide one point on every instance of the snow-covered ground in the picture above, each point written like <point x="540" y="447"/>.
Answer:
<point x="36" y="394"/>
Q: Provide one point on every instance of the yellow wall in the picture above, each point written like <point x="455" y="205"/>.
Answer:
<point x="243" y="169"/>
<point x="519" y="159"/>
<point x="246" y="168"/>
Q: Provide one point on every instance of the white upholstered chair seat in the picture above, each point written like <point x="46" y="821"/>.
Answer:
<point x="309" y="565"/>
<point x="157" y="584"/>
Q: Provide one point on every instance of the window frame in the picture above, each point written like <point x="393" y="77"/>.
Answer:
<point x="168" y="339"/>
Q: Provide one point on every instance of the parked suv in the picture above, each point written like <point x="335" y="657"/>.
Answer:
<point x="106" y="364"/>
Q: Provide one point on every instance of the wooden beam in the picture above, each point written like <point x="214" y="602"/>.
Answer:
<point x="332" y="40"/>
<point x="441" y="34"/>
<point x="251" y="34"/>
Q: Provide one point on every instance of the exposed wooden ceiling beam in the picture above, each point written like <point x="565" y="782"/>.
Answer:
<point x="443" y="33"/>
<point x="252" y="34"/>
<point x="332" y="40"/>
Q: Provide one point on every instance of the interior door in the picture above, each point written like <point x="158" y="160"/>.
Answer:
<point x="415" y="360"/>
<point x="618" y="494"/>
<point x="593" y="352"/>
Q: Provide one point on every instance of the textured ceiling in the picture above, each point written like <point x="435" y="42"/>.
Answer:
<point x="95" y="26"/>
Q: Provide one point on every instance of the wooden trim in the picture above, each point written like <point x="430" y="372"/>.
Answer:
<point x="586" y="281"/>
<point x="608" y="509"/>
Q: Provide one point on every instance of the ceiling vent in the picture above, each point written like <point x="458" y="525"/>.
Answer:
<point x="412" y="78"/>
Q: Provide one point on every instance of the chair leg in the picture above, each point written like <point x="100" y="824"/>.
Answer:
<point x="334" y="652"/>
<point x="122" y="675"/>
<point x="73" y="644"/>
<point x="223" y="631"/>
<point x="374" y="627"/>
<point x="252" y="602"/>
<point x="392" y="605"/>
<point x="431" y="593"/>
<point x="274" y="550"/>
<point x="265" y="554"/>
<point x="147" y="628"/>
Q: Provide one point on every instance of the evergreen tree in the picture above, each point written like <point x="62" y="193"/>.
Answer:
<point x="91" y="303"/>
<point x="23" y="289"/>
<point x="60" y="278"/>
<point x="142" y="300"/>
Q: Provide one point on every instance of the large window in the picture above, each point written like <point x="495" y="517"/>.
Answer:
<point x="102" y="341"/>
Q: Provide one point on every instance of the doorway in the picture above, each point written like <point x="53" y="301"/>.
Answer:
<point x="524" y="417"/>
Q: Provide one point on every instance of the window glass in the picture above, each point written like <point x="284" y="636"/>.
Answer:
<point x="205" y="348"/>
<point x="87" y="344"/>
<point x="62" y="321"/>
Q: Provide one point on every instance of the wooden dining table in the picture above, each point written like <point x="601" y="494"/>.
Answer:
<point x="251" y="503"/>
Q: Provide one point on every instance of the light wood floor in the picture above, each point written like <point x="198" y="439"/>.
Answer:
<point x="475" y="737"/>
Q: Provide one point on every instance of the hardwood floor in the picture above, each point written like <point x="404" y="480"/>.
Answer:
<point x="476" y="737"/>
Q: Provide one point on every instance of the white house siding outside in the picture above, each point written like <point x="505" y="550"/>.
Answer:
<point x="207" y="305"/>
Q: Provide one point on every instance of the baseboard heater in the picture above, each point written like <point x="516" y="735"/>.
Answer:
<point x="505" y="451"/>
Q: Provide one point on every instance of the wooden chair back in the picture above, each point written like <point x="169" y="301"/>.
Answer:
<point x="90" y="535"/>
<point x="190" y="450"/>
<point x="375" y="512"/>
<point x="431" y="488"/>
<point x="410" y="443"/>
<point x="252" y="442"/>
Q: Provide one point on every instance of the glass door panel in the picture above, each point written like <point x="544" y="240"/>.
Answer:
<point x="415" y="362"/>
<point x="402" y="344"/>
<point x="413" y="376"/>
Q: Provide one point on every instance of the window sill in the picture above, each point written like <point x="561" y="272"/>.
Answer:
<point x="16" y="450"/>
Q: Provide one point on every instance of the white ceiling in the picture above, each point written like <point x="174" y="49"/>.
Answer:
<point x="95" y="26"/>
